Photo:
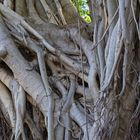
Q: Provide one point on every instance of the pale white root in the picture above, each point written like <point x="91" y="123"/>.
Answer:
<point x="20" y="101"/>
<point x="6" y="99"/>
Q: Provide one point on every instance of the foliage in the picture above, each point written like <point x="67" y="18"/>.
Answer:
<point x="82" y="6"/>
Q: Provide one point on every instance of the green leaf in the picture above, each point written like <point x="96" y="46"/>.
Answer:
<point x="83" y="9"/>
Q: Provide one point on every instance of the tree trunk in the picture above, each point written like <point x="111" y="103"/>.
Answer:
<point x="65" y="79"/>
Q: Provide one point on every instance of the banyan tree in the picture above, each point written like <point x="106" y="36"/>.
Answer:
<point x="63" y="78"/>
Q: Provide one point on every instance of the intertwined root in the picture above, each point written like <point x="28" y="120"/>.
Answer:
<point x="57" y="82"/>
